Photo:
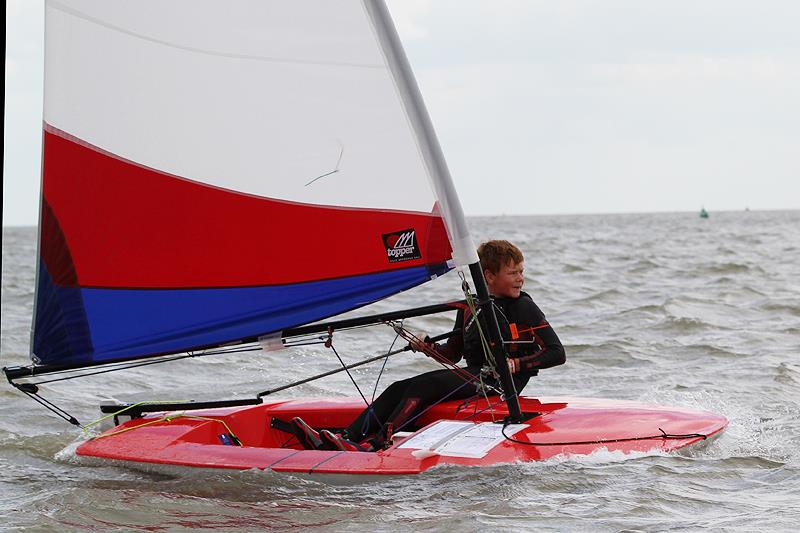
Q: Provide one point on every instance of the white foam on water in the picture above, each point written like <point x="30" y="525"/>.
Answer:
<point x="68" y="455"/>
<point x="604" y="456"/>
<point x="751" y="432"/>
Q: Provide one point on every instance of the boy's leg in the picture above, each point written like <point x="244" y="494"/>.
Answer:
<point x="426" y="390"/>
<point x="372" y="419"/>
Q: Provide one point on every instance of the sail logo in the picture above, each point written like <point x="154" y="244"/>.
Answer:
<point x="401" y="245"/>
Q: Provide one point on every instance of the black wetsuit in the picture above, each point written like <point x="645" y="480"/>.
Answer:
<point x="528" y="337"/>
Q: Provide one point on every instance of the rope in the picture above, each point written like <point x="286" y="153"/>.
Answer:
<point x="460" y="372"/>
<point x="170" y="418"/>
<point x="103" y="418"/>
<point x="432" y="352"/>
<point x="664" y="435"/>
<point x="487" y="351"/>
<point x="475" y="411"/>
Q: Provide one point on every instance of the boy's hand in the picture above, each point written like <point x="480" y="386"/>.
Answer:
<point x="419" y="345"/>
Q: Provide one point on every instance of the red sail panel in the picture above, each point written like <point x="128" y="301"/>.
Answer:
<point x="129" y="226"/>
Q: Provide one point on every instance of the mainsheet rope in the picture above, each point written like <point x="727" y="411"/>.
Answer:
<point x="466" y="376"/>
<point x="431" y="352"/>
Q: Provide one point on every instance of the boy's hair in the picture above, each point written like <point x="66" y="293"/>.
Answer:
<point x="495" y="254"/>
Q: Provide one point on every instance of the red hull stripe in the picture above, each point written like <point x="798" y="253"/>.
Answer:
<point x="129" y="226"/>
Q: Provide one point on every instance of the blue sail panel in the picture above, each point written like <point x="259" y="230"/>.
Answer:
<point x="121" y="324"/>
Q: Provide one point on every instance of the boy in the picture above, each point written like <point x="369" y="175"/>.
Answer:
<point x="531" y="345"/>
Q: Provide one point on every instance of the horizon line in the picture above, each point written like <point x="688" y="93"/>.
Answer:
<point x="597" y="213"/>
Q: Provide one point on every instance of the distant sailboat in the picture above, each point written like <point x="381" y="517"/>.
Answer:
<point x="703" y="212"/>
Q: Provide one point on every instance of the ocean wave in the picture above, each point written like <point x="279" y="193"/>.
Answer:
<point x="730" y="268"/>
<point x="569" y="268"/>
<point x="682" y="324"/>
<point x="788" y="374"/>
<point x="643" y="265"/>
<point x="780" y="308"/>
<point x="655" y="309"/>
<point x="601" y="296"/>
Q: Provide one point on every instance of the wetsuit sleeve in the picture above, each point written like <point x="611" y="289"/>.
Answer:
<point x="551" y="354"/>
<point x="552" y="351"/>
<point x="455" y="344"/>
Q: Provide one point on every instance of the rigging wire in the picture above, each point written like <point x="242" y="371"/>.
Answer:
<point x="370" y="410"/>
<point x="385" y="360"/>
<point x="449" y="365"/>
<point x="330" y="345"/>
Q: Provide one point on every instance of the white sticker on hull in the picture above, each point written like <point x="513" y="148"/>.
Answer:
<point x="460" y="439"/>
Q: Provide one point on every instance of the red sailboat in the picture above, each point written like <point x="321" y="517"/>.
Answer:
<point x="292" y="130"/>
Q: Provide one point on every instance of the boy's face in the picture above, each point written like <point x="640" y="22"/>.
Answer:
<point x="508" y="281"/>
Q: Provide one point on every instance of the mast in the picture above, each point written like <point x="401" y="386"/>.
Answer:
<point x="464" y="251"/>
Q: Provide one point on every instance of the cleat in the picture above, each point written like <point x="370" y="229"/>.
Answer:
<point x="308" y="438"/>
<point x="333" y="441"/>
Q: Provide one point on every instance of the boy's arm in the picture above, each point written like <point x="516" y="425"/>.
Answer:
<point x="552" y="352"/>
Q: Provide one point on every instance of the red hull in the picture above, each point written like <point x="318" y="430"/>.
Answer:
<point x="566" y="426"/>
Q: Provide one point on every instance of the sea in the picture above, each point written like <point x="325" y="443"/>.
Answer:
<point x="664" y="308"/>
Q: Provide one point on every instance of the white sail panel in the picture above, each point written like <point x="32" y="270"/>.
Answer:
<point x="284" y="99"/>
<point x="176" y="130"/>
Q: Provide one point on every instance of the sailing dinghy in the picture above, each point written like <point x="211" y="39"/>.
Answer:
<point x="179" y="133"/>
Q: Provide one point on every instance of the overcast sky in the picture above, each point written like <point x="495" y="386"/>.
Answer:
<point x="557" y="106"/>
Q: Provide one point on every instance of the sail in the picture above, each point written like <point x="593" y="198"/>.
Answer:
<point x="214" y="171"/>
